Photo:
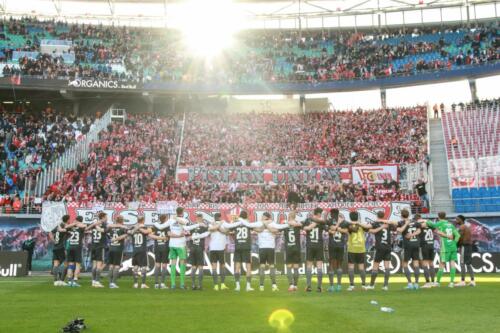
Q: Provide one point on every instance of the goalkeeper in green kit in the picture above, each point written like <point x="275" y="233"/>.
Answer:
<point x="449" y="238"/>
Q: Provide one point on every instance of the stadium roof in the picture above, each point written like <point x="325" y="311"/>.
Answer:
<point x="258" y="13"/>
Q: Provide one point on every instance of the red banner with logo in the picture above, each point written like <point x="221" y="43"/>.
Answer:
<point x="375" y="174"/>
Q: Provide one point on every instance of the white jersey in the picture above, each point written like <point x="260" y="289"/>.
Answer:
<point x="218" y="241"/>
<point x="266" y="239"/>
<point x="176" y="228"/>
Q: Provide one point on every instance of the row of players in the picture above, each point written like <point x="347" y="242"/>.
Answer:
<point x="171" y="238"/>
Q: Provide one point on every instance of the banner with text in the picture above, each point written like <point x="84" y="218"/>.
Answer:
<point x="375" y="174"/>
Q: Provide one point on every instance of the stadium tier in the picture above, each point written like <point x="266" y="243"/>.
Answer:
<point x="58" y="50"/>
<point x="472" y="136"/>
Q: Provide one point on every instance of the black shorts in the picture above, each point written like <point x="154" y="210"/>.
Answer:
<point x="293" y="256"/>
<point x="266" y="256"/>
<point x="97" y="254"/>
<point x="161" y="255"/>
<point x="115" y="258"/>
<point x="140" y="259"/>
<point x="356" y="258"/>
<point x="411" y="253"/>
<point x="59" y="255"/>
<point x="196" y="257"/>
<point x="75" y="255"/>
<point x="315" y="253"/>
<point x="217" y="256"/>
<point x="382" y="254"/>
<point x="336" y="253"/>
<point x="242" y="256"/>
<point x="427" y="252"/>
<point x="466" y="254"/>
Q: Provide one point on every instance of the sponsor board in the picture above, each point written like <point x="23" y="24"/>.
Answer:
<point x="13" y="263"/>
<point x="100" y="84"/>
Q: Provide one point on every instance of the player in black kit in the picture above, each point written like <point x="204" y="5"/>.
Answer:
<point x="98" y="243"/>
<point x="382" y="229"/>
<point x="75" y="239"/>
<point x="160" y="236"/>
<point x="197" y="250"/>
<point x="314" y="227"/>
<point x="58" y="237"/>
<point x="336" y="248"/>
<point x="292" y="250"/>
<point x="116" y="233"/>
<point x="140" y="252"/>
<point x="410" y="229"/>
<point x="427" y="253"/>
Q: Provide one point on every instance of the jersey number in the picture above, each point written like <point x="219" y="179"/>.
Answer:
<point x="241" y="233"/>
<point x="56" y="238"/>
<point x="291" y="237"/>
<point x="385" y="236"/>
<point x="75" y="237"/>
<point x="429" y="235"/>
<point x="138" y="239"/>
<point x="314" y="234"/>
<point x="96" y="235"/>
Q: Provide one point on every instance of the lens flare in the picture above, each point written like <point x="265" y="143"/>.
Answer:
<point x="281" y="319"/>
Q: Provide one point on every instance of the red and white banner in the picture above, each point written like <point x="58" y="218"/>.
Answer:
<point x="367" y="210"/>
<point x="264" y="175"/>
<point x="375" y="174"/>
<point x="463" y="172"/>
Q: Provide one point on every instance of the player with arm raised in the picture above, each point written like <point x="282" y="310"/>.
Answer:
<point x="58" y="237"/>
<point x="76" y="231"/>
<point x="292" y="250"/>
<point x="98" y="243"/>
<point x="177" y="247"/>
<point x="356" y="248"/>
<point x="410" y="229"/>
<point x="117" y="233"/>
<point x="314" y="227"/>
<point x="243" y="247"/>
<point x="140" y="252"/>
<point x="336" y="248"/>
<point x="266" y="239"/>
<point x="427" y="253"/>
<point x="196" y="251"/>
<point x="382" y="229"/>
<point x="160" y="236"/>
<point x="449" y="238"/>
<point x="216" y="248"/>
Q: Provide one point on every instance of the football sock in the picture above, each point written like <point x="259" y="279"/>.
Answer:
<point x="439" y="275"/>
<point x="339" y="276"/>
<point x="157" y="274"/>
<point x="236" y="277"/>
<point x="320" y="277"/>
<point x="164" y="272"/>
<point x="351" y="276"/>
<point x="407" y="274"/>
<point x="200" y="277"/>
<point x="249" y="279"/>
<point x="295" y="276"/>
<point x="55" y="271"/>
<point x="136" y="274"/>
<point x="215" y="277"/>
<point x="111" y="274"/>
<point x="417" y="273"/>
<point x="261" y="275"/>
<point x="273" y="275"/>
<point x="426" y="274"/>
<point x="363" y="276"/>
<point x="116" y="274"/>
<point x="60" y="272"/>
<point x="183" y="274"/>
<point x="289" y="275"/>
<point x="387" y="274"/>
<point x="222" y="273"/>
<point x="98" y="275"/>
<point x="471" y="272"/>
<point x="144" y="272"/>
<point x="94" y="270"/>
<point x="374" y="277"/>
<point x="331" y="274"/>
<point x="452" y="274"/>
<point x="308" y="276"/>
<point x="172" y="275"/>
<point x="193" y="276"/>
<point x="64" y="272"/>
<point x="432" y="273"/>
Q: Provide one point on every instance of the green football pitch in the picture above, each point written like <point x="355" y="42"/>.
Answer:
<point x="34" y="305"/>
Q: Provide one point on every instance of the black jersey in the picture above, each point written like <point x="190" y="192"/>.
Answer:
<point x="113" y="234"/>
<point x="315" y="236"/>
<point x="427" y="237"/>
<point x="242" y="238"/>
<point x="98" y="237"/>
<point x="139" y="241"/>
<point x="59" y="237"/>
<point x="161" y="244"/>
<point x="198" y="243"/>
<point x="338" y="239"/>
<point x="75" y="237"/>
<point x="383" y="239"/>
<point x="410" y="228"/>
<point x="292" y="238"/>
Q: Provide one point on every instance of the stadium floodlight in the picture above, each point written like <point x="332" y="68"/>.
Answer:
<point x="208" y="27"/>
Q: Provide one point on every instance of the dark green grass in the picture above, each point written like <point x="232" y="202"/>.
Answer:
<point x="34" y="305"/>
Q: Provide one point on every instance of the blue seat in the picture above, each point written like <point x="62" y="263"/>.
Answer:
<point x="474" y="192"/>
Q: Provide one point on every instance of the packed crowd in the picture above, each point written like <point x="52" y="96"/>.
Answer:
<point x="159" y="55"/>
<point x="29" y="142"/>
<point x="323" y="138"/>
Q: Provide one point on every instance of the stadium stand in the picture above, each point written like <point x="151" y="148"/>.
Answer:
<point x="472" y="139"/>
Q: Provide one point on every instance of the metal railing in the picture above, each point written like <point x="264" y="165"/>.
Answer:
<point x="69" y="160"/>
